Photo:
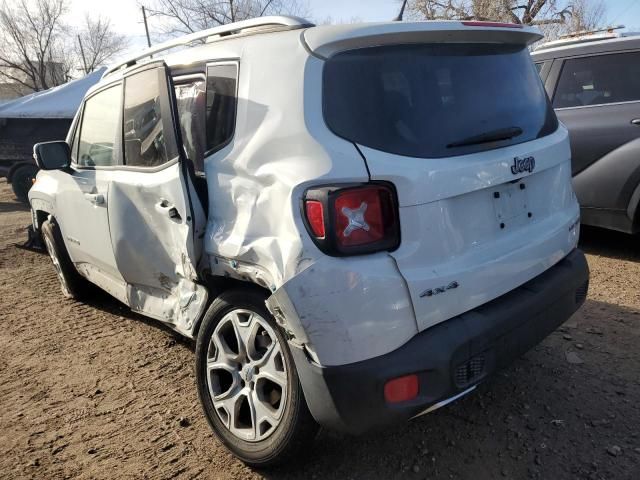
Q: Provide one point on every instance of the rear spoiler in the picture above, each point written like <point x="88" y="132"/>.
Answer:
<point x="325" y="41"/>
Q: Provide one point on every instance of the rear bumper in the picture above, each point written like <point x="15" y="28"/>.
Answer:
<point x="450" y="357"/>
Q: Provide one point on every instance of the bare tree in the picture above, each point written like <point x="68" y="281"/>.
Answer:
<point x="32" y="50"/>
<point x="585" y="15"/>
<point x="527" y="12"/>
<point x="185" y="16"/>
<point x="98" y="43"/>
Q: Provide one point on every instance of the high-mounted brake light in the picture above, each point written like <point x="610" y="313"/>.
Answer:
<point x="353" y="220"/>
<point x="491" y="24"/>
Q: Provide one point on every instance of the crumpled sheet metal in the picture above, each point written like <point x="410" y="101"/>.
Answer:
<point x="255" y="230"/>
<point x="256" y="183"/>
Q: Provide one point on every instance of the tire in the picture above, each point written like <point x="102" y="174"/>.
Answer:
<point x="243" y="365"/>
<point x="72" y="284"/>
<point x="22" y="180"/>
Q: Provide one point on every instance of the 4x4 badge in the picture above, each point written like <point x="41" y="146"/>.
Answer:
<point x="435" y="291"/>
<point x="520" y="165"/>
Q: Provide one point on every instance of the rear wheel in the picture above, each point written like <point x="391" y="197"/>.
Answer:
<point x="247" y="381"/>
<point x="73" y="285"/>
<point x="22" y="180"/>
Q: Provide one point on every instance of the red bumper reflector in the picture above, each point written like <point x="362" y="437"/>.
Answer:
<point x="401" y="389"/>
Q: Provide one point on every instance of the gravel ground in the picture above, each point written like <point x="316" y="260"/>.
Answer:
<point x="94" y="391"/>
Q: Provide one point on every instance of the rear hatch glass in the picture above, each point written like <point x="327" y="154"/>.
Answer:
<point x="436" y="100"/>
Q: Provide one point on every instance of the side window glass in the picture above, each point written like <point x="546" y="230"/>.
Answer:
<point x="599" y="79"/>
<point x="98" y="140"/>
<point x="221" y="104"/>
<point x="146" y="143"/>
<point x="539" y="66"/>
<point x="190" y="99"/>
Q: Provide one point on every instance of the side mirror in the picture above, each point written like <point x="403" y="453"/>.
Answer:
<point x="52" y="155"/>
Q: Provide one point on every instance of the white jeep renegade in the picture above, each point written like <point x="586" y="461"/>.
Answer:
<point x="357" y="223"/>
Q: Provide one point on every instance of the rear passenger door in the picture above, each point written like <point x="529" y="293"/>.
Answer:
<point x="156" y="219"/>
<point x="598" y="98"/>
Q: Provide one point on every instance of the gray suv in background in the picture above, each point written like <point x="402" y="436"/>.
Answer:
<point x="593" y="81"/>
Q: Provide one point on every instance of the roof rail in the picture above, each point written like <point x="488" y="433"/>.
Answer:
<point x="589" y="32"/>
<point x="280" y="22"/>
<point x="586" y="36"/>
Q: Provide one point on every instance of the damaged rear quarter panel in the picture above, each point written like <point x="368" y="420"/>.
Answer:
<point x="348" y="310"/>
<point x="256" y="183"/>
<point x="342" y="310"/>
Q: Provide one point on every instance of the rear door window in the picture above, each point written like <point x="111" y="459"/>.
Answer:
<point x="97" y="144"/>
<point x="598" y="80"/>
<point x="148" y="136"/>
<point x="221" y="105"/>
<point x="190" y="99"/>
<point x="207" y="111"/>
<point x="436" y="100"/>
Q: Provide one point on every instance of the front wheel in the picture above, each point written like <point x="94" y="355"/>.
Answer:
<point x="72" y="284"/>
<point x="247" y="381"/>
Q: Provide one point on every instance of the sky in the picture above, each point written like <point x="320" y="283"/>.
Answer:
<point x="126" y="16"/>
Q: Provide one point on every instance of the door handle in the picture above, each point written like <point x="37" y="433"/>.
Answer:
<point x="635" y="121"/>
<point x="95" y="198"/>
<point x="168" y="209"/>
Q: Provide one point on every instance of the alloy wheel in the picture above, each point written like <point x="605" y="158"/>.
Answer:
<point x="246" y="375"/>
<point x="56" y="264"/>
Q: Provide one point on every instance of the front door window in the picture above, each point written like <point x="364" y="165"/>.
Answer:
<point x="99" y="131"/>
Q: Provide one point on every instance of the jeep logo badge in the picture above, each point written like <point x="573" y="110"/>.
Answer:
<point x="520" y="165"/>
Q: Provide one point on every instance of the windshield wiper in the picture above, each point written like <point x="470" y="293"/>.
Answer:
<point x="491" y="136"/>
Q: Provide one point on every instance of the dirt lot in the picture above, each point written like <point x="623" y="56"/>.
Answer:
<point x="93" y="391"/>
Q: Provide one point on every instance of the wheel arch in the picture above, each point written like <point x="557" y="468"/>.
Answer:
<point x="39" y="217"/>
<point x="217" y="285"/>
<point x="633" y="210"/>
<point x="42" y="205"/>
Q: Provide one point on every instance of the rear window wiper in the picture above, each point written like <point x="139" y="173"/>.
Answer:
<point x="491" y="136"/>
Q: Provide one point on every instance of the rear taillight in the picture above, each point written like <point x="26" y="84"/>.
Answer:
<point x="315" y="216"/>
<point x="353" y="220"/>
<point x="358" y="216"/>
